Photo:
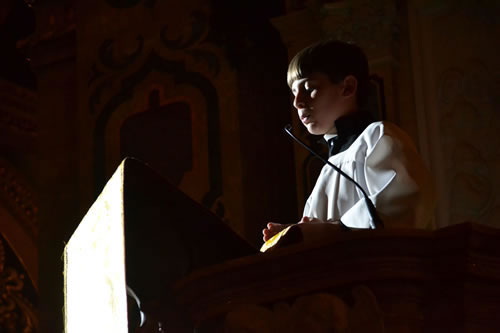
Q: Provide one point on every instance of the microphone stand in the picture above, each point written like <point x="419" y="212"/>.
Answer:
<point x="376" y="221"/>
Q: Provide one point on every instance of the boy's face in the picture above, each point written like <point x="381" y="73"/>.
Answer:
<point x="319" y="102"/>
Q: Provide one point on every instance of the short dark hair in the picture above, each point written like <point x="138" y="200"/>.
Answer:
<point x="335" y="58"/>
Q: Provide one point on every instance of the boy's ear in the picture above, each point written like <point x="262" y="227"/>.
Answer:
<point x="350" y="86"/>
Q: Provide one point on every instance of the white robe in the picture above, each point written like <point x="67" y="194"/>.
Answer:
<point x="385" y="162"/>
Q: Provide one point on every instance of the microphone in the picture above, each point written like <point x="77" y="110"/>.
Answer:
<point x="376" y="221"/>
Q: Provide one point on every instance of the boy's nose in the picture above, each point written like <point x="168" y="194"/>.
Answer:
<point x="298" y="102"/>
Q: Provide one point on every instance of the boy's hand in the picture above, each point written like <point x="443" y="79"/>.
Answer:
<point x="272" y="229"/>
<point x="307" y="219"/>
<point x="308" y="227"/>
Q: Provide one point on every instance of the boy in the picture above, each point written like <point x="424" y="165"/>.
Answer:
<point x="329" y="81"/>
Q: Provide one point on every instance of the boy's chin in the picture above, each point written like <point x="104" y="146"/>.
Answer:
<point x="315" y="131"/>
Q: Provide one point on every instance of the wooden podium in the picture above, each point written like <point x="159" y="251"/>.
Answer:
<point x="192" y="272"/>
<point x="141" y="232"/>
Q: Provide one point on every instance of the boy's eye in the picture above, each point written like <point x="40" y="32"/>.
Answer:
<point x="310" y="90"/>
<point x="309" y="87"/>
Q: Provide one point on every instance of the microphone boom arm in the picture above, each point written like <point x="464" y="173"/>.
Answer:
<point x="376" y="221"/>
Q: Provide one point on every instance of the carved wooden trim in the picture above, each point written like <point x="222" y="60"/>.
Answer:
<point x="18" y="124"/>
<point x="420" y="270"/>
<point x="456" y="99"/>
<point x="319" y="312"/>
<point x="17" y="312"/>
<point x="19" y="197"/>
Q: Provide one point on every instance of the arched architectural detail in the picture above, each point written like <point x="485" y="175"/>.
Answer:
<point x="19" y="199"/>
<point x="17" y="295"/>
<point x="19" y="217"/>
<point x="180" y="76"/>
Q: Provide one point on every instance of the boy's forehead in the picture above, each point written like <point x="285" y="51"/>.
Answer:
<point x="298" y="82"/>
<point x="315" y="76"/>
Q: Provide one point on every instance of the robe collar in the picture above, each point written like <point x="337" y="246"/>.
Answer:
<point x="348" y="128"/>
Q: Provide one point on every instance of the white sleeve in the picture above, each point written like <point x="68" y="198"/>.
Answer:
<point x="396" y="180"/>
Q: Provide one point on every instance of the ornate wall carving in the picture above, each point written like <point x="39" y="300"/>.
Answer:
<point x="456" y="78"/>
<point x="321" y="312"/>
<point x="173" y="55"/>
<point x="19" y="203"/>
<point x="19" y="129"/>
<point x="17" y="296"/>
<point x="19" y="198"/>
<point x="18" y="134"/>
<point x="374" y="25"/>
<point x="469" y="128"/>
